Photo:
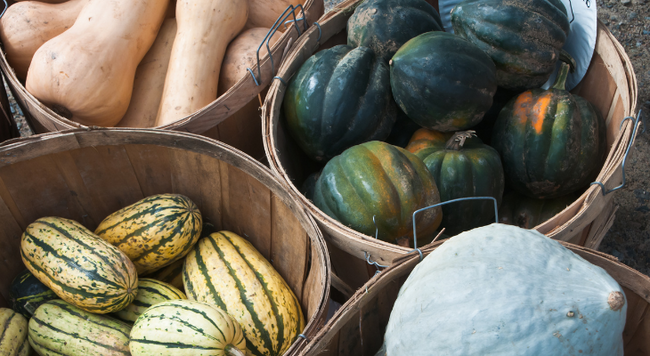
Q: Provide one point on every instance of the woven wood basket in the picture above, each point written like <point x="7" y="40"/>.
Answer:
<point x="85" y="175"/>
<point x="609" y="83"/>
<point x="244" y="93"/>
<point x="357" y="328"/>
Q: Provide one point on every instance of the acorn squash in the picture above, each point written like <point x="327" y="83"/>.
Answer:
<point x="376" y="179"/>
<point x="385" y="25"/>
<point x="523" y="37"/>
<point x="339" y="97"/>
<point x="442" y="82"/>
<point x="464" y="167"/>
<point x="551" y="142"/>
<point x="503" y="290"/>
<point x="520" y="210"/>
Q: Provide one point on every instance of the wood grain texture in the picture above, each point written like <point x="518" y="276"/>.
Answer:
<point x="87" y="174"/>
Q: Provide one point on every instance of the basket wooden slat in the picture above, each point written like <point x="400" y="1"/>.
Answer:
<point x="43" y="119"/>
<point x="609" y="83"/>
<point x="87" y="174"/>
<point x="357" y="328"/>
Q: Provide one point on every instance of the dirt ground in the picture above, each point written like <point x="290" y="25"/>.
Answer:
<point x="629" y="237"/>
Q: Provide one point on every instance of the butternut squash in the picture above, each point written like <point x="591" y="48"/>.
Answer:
<point x="26" y="25"/>
<point x="86" y="73"/>
<point x="264" y="13"/>
<point x="243" y="129"/>
<point x="150" y="80"/>
<point x="204" y="29"/>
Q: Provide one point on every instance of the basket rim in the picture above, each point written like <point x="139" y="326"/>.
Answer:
<point x="385" y="252"/>
<point x="26" y="148"/>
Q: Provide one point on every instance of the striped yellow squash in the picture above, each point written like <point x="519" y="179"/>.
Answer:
<point x="150" y="292"/>
<point x="13" y="333"/>
<point x="186" y="328"/>
<point x="59" y="328"/>
<point x="226" y="270"/>
<point x="78" y="266"/>
<point x="155" y="231"/>
<point x="172" y="274"/>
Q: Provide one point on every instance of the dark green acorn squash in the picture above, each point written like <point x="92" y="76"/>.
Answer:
<point x="520" y="210"/>
<point x="442" y="81"/>
<point x="463" y="167"/>
<point x="381" y="180"/>
<point x="402" y="131"/>
<point x="551" y="142"/>
<point x="523" y="37"/>
<point x="339" y="97"/>
<point x="385" y="25"/>
<point x="27" y="293"/>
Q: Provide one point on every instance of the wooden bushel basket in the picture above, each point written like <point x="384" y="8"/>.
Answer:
<point x="244" y="135"/>
<point x="609" y="83"/>
<point x="357" y="328"/>
<point x="85" y="175"/>
<point x="8" y="128"/>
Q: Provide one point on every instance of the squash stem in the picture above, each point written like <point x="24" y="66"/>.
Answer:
<point x="457" y="141"/>
<point x="231" y="350"/>
<point x="560" y="81"/>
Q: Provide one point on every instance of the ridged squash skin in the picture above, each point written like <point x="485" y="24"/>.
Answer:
<point x="61" y="329"/>
<point x="385" y="25"/>
<point x="503" y="290"/>
<point x="227" y="271"/>
<point x="442" y="81"/>
<point x="186" y="328"/>
<point x="86" y="73"/>
<point x="155" y="231"/>
<point x="520" y="210"/>
<point x="150" y="292"/>
<point x="464" y="167"/>
<point x="381" y="180"/>
<point x="552" y="143"/>
<point x="78" y="266"/>
<point x="339" y="97"/>
<point x="13" y="334"/>
<point x="523" y="37"/>
<point x="27" y="293"/>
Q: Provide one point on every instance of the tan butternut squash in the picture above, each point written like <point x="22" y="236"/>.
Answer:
<point x="150" y="80"/>
<point x="264" y="13"/>
<point x="45" y="1"/>
<point x="204" y="29"/>
<point x="243" y="129"/>
<point x="26" y="25"/>
<point x="86" y="73"/>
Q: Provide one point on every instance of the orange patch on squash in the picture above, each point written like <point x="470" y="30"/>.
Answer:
<point x="522" y="106"/>
<point x="539" y="112"/>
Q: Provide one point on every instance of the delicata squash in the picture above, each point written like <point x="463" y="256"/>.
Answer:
<point x="86" y="73"/>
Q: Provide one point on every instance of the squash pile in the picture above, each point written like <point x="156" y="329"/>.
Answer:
<point x="143" y="64"/>
<point x="96" y="293"/>
<point x="442" y="89"/>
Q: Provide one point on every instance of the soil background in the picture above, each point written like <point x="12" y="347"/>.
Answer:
<point x="629" y="237"/>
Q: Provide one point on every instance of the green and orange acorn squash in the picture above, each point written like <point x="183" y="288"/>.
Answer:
<point x="376" y="179"/>
<point x="551" y="142"/>
<point x="462" y="167"/>
<point x="520" y="210"/>
<point x="523" y="37"/>
<point x="442" y="81"/>
<point x="385" y="25"/>
<point x="340" y="97"/>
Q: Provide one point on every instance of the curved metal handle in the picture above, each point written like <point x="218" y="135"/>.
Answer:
<point x="638" y="119"/>
<point x="5" y="9"/>
<point x="289" y="11"/>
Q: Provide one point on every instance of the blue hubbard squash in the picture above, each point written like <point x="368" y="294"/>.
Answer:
<point x="503" y="290"/>
<point x="523" y="37"/>
<point x="381" y="180"/>
<point x="385" y="25"/>
<point x="552" y="143"/>
<point x="339" y="97"/>
<point x="442" y="81"/>
<point x="463" y="167"/>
